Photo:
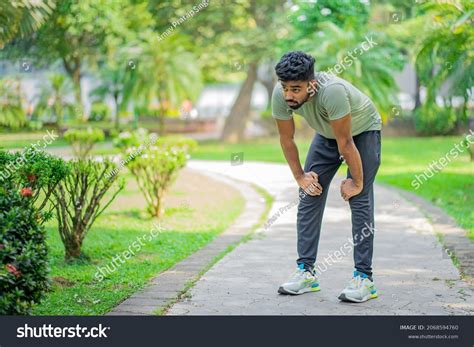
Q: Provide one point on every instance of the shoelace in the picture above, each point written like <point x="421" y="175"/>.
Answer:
<point x="355" y="282"/>
<point x="297" y="274"/>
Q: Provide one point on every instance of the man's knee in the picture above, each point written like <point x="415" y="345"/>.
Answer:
<point x="360" y="201"/>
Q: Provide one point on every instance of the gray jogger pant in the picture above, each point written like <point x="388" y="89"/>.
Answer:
<point x="324" y="159"/>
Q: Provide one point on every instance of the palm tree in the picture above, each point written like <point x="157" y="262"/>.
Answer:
<point x="371" y="70"/>
<point x="22" y="17"/>
<point x="52" y="98"/>
<point x="446" y="50"/>
<point x="118" y="81"/>
<point x="12" y="114"/>
<point x="168" y="73"/>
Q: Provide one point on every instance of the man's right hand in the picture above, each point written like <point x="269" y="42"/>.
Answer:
<point x="308" y="181"/>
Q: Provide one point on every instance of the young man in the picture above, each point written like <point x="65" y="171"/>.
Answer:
<point x="348" y="128"/>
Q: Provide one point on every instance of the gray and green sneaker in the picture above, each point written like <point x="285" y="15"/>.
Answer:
<point x="359" y="289"/>
<point x="302" y="281"/>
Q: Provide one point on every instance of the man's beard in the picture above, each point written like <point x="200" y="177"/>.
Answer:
<point x="298" y="104"/>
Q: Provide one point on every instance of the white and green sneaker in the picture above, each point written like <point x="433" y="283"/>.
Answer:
<point x="360" y="289"/>
<point x="302" y="281"/>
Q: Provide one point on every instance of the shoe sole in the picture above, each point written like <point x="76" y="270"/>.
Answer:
<point x="345" y="298"/>
<point x="282" y="290"/>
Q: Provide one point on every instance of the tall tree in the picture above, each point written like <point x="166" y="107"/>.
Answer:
<point x="78" y="32"/>
<point x="447" y="51"/>
<point x="251" y="43"/>
<point x="167" y="74"/>
<point x="232" y="38"/>
<point x="371" y="70"/>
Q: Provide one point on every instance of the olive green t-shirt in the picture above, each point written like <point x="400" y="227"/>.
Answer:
<point x="334" y="99"/>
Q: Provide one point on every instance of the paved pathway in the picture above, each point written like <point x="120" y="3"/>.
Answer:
<point x="413" y="274"/>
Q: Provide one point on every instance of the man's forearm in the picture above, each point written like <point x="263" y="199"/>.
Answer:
<point x="352" y="157"/>
<point x="290" y="150"/>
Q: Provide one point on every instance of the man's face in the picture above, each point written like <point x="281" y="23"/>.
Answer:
<point x="298" y="92"/>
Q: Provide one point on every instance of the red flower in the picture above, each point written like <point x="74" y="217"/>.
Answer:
<point x="13" y="270"/>
<point x="2" y="246"/>
<point x="26" y="192"/>
<point x="31" y="178"/>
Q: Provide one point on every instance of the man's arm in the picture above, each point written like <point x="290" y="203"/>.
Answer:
<point x="342" y="131"/>
<point x="307" y="181"/>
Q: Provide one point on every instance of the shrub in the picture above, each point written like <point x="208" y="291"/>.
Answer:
<point x="431" y="119"/>
<point x="36" y="172"/>
<point x="99" y="112"/>
<point x="157" y="167"/>
<point x="179" y="142"/>
<point x="79" y="201"/>
<point x="28" y="179"/>
<point x="82" y="141"/>
<point x="23" y="253"/>
<point x="129" y="139"/>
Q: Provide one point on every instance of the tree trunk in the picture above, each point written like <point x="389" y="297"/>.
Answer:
<point x="417" y="92"/>
<point x="116" y="118"/>
<point x="73" y="68"/>
<point x="155" y="208"/>
<point x="236" y="122"/>
<point x="268" y="79"/>
<point x="73" y="249"/>
<point x="269" y="85"/>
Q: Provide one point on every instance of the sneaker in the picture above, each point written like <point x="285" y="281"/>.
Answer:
<point x="360" y="289"/>
<point x="302" y="281"/>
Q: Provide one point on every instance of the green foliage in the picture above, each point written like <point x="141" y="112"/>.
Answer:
<point x="80" y="199"/>
<point x="100" y="111"/>
<point x="340" y="52"/>
<point x="129" y="139"/>
<point x="82" y="141"/>
<point x="35" y="172"/>
<point x="22" y="17"/>
<point x="28" y="179"/>
<point x="177" y="142"/>
<point x="12" y="114"/>
<point x="169" y="73"/>
<point x="156" y="167"/>
<point x="445" y="53"/>
<point x="306" y="17"/>
<point x="431" y="119"/>
<point x="52" y="103"/>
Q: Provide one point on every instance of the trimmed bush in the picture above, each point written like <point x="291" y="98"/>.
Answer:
<point x="157" y="167"/>
<point x="100" y="111"/>
<point x="82" y="141"/>
<point x="129" y="139"/>
<point x="80" y="199"/>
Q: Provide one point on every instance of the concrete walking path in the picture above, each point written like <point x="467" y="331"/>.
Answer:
<point x="413" y="275"/>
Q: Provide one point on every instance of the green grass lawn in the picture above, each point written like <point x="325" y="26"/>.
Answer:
<point x="194" y="216"/>
<point x="402" y="158"/>
<point x="22" y="140"/>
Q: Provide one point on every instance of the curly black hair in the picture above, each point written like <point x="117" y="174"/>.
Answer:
<point x="295" y="66"/>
